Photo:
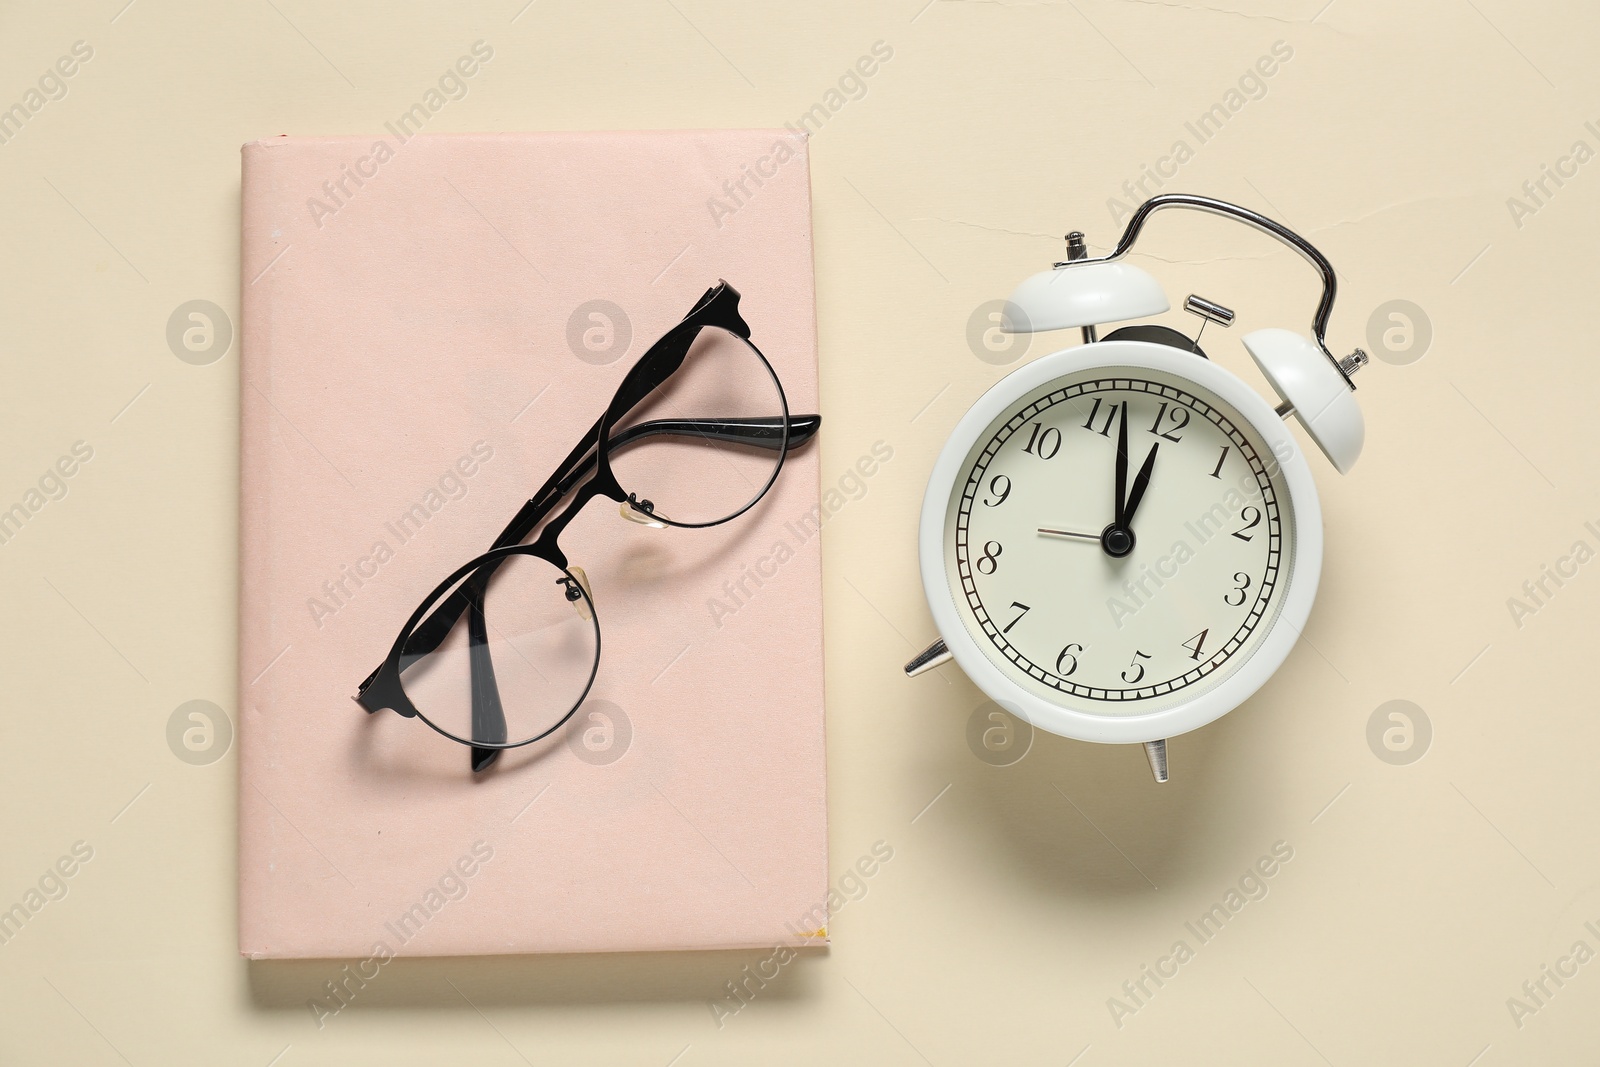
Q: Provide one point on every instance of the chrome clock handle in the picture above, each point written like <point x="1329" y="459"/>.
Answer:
<point x="1330" y="283"/>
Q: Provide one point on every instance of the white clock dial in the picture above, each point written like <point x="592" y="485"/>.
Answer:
<point x="1035" y="557"/>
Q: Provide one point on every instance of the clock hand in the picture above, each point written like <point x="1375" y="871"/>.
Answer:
<point x="1117" y="539"/>
<point x="1141" y="482"/>
<point x="1121" y="469"/>
<point x="1050" y="531"/>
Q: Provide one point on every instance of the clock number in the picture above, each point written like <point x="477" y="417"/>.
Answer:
<point x="1111" y="414"/>
<point x="1020" y="614"/>
<point x="1000" y="491"/>
<point x="1196" y="643"/>
<point x="1180" y="419"/>
<point x="991" y="556"/>
<point x="1066" y="655"/>
<point x="1244" y="583"/>
<point x="1252" y="519"/>
<point x="1041" y="444"/>
<point x="1216" y="471"/>
<point x="1135" y="666"/>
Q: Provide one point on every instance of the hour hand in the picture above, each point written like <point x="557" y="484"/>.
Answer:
<point x="1141" y="482"/>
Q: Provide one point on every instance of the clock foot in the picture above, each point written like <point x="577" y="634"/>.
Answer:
<point x="1156" y="751"/>
<point x="935" y="655"/>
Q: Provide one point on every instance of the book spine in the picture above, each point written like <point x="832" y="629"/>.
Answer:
<point x="257" y="248"/>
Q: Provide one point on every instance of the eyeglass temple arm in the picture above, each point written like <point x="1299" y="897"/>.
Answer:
<point x="488" y="716"/>
<point x="756" y="432"/>
<point x="718" y="307"/>
<point x="763" y="432"/>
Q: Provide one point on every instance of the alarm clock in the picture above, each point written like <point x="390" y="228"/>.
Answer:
<point x="1121" y="541"/>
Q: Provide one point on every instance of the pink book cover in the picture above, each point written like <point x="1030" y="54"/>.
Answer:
<point x="429" y="324"/>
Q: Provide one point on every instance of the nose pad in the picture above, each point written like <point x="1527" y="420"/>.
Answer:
<point x="641" y="511"/>
<point x="580" y="599"/>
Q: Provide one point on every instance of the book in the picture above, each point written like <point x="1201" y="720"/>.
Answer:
<point x="429" y="324"/>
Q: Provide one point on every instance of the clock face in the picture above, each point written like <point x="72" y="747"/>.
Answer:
<point x="1108" y="618"/>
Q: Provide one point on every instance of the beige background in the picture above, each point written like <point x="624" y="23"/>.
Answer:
<point x="1419" y="897"/>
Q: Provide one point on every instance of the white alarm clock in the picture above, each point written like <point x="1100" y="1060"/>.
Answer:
<point x="1121" y="541"/>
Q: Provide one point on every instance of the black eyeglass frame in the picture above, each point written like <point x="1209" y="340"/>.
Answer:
<point x="383" y="688"/>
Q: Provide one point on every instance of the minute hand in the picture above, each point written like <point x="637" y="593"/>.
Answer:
<point x="1120" y="469"/>
<point x="1141" y="481"/>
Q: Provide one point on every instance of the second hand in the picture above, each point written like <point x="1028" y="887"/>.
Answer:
<point x="1049" y="531"/>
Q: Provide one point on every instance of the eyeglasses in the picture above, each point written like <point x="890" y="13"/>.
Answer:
<point x="697" y="431"/>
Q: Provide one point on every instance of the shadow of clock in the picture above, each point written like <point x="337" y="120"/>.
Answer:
<point x="1089" y="822"/>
